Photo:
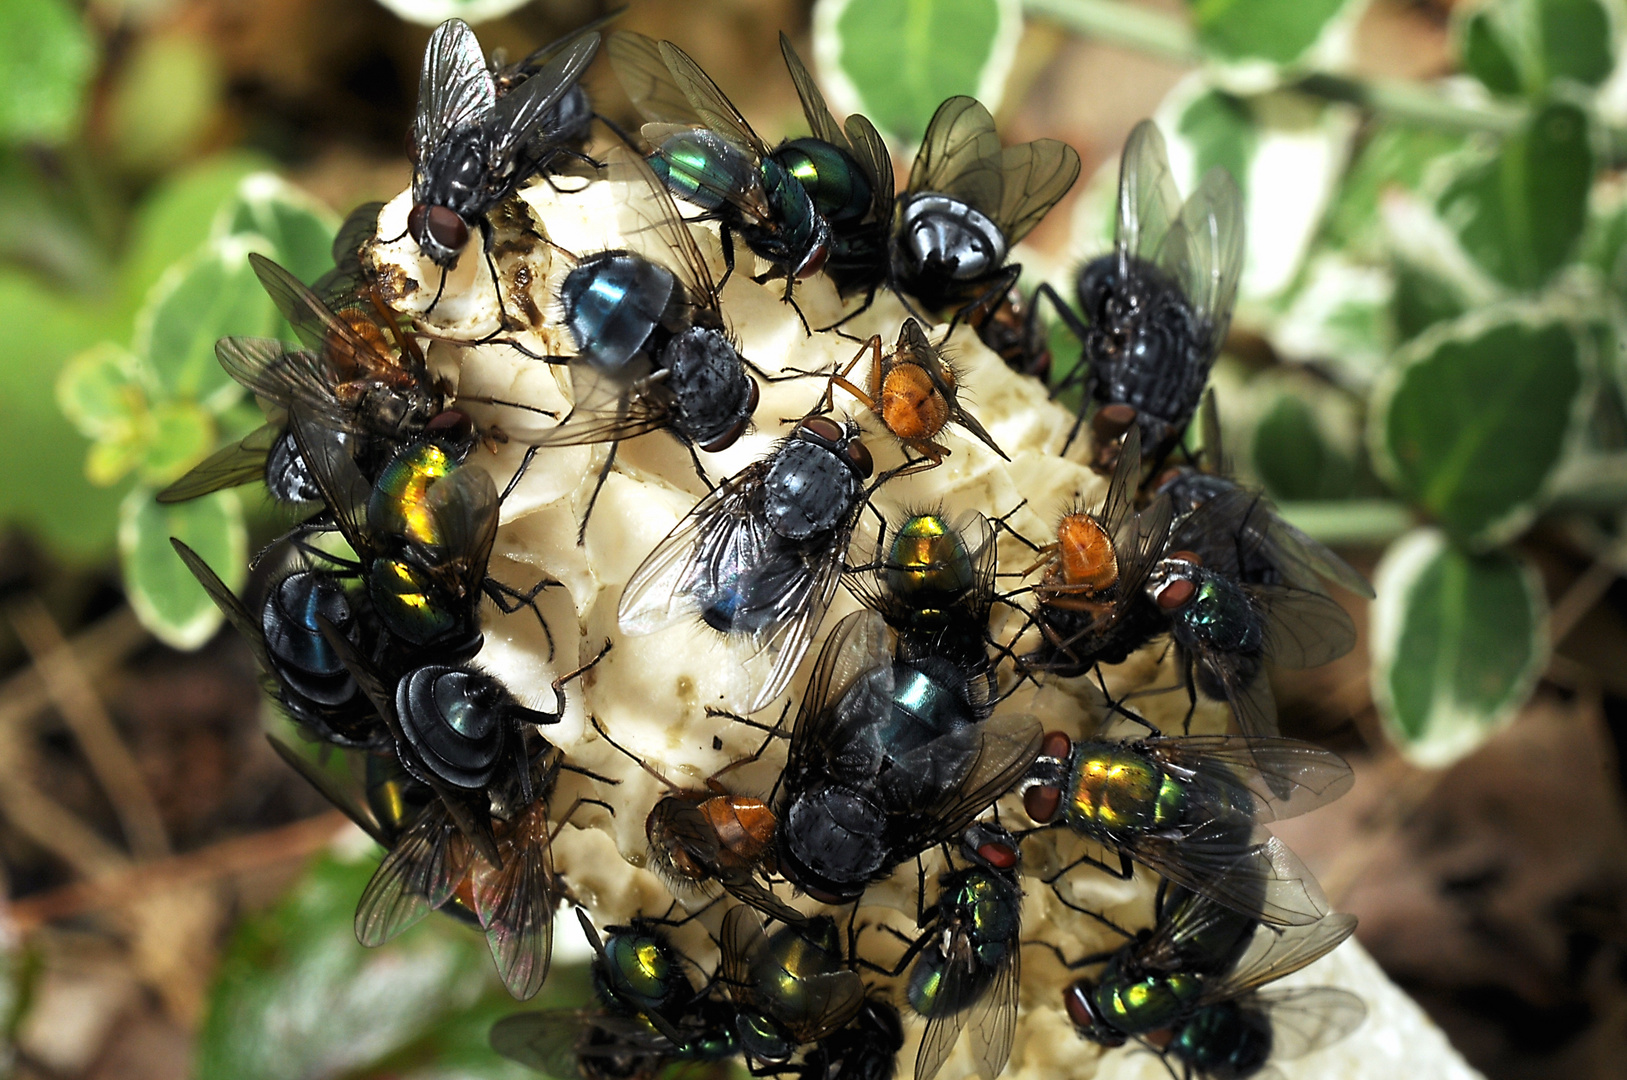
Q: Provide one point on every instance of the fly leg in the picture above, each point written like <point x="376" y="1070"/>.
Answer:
<point x="525" y="463"/>
<point x="598" y="486"/>
<point x="509" y="600"/>
<point x="1123" y="872"/>
<point x="700" y="470"/>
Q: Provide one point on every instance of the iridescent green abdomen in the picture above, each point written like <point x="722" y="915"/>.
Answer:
<point x="641" y="972"/>
<point x="833" y="180"/>
<point x="928" y="568"/>
<point x="1224" y="1041"/>
<point x="408" y="601"/>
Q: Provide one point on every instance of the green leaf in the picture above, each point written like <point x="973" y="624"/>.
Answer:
<point x="901" y="58"/>
<point x="192" y="307"/>
<point x="46" y="490"/>
<point x="1523" y="46"/>
<point x="1473" y="417"/>
<point x="297" y="997"/>
<point x="100" y="391"/>
<point x="1279" y="31"/>
<point x="1520" y="213"/>
<point x="163" y="593"/>
<point x="1458" y="641"/>
<point x="1423" y="299"/>
<point x="1221" y="130"/>
<point x="1294" y="456"/>
<point x="1393" y="156"/>
<point x="299" y="227"/>
<point x="47" y="58"/>
<point x="183" y="434"/>
<point x="175" y="220"/>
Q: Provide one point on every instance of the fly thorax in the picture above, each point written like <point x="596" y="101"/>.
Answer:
<point x="1221" y="616"/>
<point x="640" y="971"/>
<point x="808" y="491"/>
<point x="927" y="565"/>
<point x="1150" y="1003"/>
<point x="612" y="302"/>
<point x="803" y="236"/>
<point x="708" y="379"/>
<point x="398" y="505"/>
<point x="947" y="236"/>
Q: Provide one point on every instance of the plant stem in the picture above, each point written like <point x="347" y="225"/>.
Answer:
<point x="1135" y="27"/>
<point x="1117" y="23"/>
<point x="1358" y="522"/>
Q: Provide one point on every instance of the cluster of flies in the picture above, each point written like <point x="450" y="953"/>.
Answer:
<point x="368" y="646"/>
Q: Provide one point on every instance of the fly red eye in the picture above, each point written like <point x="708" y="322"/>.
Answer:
<point x="814" y="263"/>
<point x="859" y="455"/>
<point x="446" y="228"/>
<point x="999" y="856"/>
<point x="753" y="394"/>
<point x="416" y="222"/>
<point x="450" y="424"/>
<point x="1056" y="745"/>
<point x="1175" y="594"/>
<point x="1041" y="802"/>
<point x="1111" y="421"/>
<point x="1186" y="556"/>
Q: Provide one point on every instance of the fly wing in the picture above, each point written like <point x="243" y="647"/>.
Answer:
<point x="820" y="122"/>
<point x="961" y="155"/>
<point x="228" y="603"/>
<point x="455" y="91"/>
<point x="516" y="906"/>
<point x="713" y="107"/>
<point x="1035" y="176"/>
<point x="344" y="489"/>
<point x="233" y="465"/>
<point x="317" y="326"/>
<point x="1303" y="629"/>
<point x="1302" y="560"/>
<point x="464" y="507"/>
<point x="1274" y="954"/>
<point x="1149" y="202"/>
<point x="420" y="873"/>
<point x="740" y="939"/>
<point x="994" y="1017"/>
<point x="285" y="376"/>
<point x="1119" y="501"/>
<point x="643" y="73"/>
<point x="354" y="807"/>
<point x="870" y="151"/>
<point x="942" y="1027"/>
<point x="1007" y="746"/>
<point x="517" y="116"/>
<point x="1238" y="864"/>
<point x="1305" y="1019"/>
<point x="1203" y="253"/>
<point x="651" y="225"/>
<point x="1275" y="778"/>
<point x="662" y="589"/>
<point x="608" y="409"/>
<point x="857" y="645"/>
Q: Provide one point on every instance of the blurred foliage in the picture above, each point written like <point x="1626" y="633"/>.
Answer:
<point x="297" y="998"/>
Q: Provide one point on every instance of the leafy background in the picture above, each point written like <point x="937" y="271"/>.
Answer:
<point x="1427" y="369"/>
